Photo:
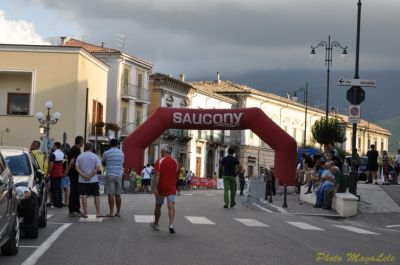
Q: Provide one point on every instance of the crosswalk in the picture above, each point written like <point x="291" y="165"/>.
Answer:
<point x="305" y="226"/>
<point x="202" y="220"/>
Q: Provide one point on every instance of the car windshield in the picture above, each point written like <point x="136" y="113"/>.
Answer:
<point x="19" y="165"/>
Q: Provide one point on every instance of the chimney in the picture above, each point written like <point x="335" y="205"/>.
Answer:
<point x="182" y="77"/>
<point x="218" y="78"/>
<point x="62" y="40"/>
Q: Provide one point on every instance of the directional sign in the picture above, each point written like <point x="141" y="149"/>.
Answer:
<point x="354" y="114"/>
<point x="356" y="82"/>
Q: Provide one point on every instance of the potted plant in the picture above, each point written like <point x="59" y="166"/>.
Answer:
<point x="100" y="124"/>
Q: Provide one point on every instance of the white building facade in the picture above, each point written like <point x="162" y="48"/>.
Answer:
<point x="208" y="146"/>
<point x="255" y="155"/>
<point x="128" y="94"/>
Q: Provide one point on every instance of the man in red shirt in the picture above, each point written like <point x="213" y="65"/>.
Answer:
<point x="166" y="170"/>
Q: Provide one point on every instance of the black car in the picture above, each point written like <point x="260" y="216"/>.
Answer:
<point x="9" y="222"/>
<point x="31" y="189"/>
<point x="362" y="167"/>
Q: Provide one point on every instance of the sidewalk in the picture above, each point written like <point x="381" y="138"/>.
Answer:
<point x="375" y="199"/>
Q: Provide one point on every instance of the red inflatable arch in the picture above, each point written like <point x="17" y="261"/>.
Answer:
<point x="215" y="119"/>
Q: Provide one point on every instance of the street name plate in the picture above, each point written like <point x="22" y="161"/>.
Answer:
<point x="356" y="82"/>
<point x="354" y="114"/>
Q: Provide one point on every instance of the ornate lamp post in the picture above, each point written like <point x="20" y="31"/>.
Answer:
<point x="294" y="98"/>
<point x="328" y="62"/>
<point x="48" y="119"/>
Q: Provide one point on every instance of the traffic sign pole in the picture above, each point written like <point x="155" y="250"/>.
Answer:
<point x="353" y="173"/>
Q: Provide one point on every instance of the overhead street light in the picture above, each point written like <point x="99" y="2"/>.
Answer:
<point x="329" y="46"/>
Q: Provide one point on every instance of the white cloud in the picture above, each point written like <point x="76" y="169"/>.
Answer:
<point x="18" y="31"/>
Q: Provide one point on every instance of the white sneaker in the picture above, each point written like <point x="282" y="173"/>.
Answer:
<point x="154" y="226"/>
<point x="171" y="229"/>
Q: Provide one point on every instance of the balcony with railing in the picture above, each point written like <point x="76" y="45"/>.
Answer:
<point x="97" y="129"/>
<point x="103" y="130"/>
<point x="127" y="128"/>
<point x="134" y="92"/>
<point x="178" y="134"/>
<point x="217" y="138"/>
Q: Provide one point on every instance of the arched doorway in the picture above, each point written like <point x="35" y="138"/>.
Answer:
<point x="215" y="119"/>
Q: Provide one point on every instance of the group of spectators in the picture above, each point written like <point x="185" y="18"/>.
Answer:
<point x="384" y="166"/>
<point x="76" y="174"/>
<point x="144" y="182"/>
<point x="325" y="173"/>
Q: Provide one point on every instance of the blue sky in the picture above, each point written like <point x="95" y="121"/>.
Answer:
<point x="46" y="21"/>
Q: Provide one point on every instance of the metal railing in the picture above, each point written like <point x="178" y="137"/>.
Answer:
<point x="127" y="128"/>
<point x="96" y="130"/>
<point x="180" y="134"/>
<point x="132" y="91"/>
<point x="218" y="138"/>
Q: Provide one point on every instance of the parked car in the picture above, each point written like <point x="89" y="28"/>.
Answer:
<point x="362" y="167"/>
<point x="9" y="222"/>
<point x="30" y="187"/>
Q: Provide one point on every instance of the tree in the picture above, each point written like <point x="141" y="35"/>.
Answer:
<point x="328" y="132"/>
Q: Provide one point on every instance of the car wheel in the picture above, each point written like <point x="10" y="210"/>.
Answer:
<point x="10" y="248"/>
<point x="33" y="230"/>
<point x="43" y="216"/>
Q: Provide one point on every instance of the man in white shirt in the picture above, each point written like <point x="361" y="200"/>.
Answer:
<point x="88" y="164"/>
<point x="146" y="177"/>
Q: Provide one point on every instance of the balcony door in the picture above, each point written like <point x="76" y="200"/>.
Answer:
<point x="97" y="116"/>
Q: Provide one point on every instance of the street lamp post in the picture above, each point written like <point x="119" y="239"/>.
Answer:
<point x="305" y="91"/>
<point x="260" y="143"/>
<point x="48" y="119"/>
<point x="328" y="62"/>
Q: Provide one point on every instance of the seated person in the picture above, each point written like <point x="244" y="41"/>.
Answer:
<point x="326" y="183"/>
<point x="339" y="187"/>
<point x="315" y="176"/>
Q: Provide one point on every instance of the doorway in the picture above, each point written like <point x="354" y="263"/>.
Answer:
<point x="198" y="166"/>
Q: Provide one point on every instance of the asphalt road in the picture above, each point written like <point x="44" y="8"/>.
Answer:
<point x="241" y="235"/>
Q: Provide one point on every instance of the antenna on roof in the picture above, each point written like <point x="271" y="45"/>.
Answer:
<point x="121" y="41"/>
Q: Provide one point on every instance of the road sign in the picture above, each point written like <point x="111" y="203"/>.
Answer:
<point x="356" y="82"/>
<point x="354" y="114"/>
<point x="355" y="95"/>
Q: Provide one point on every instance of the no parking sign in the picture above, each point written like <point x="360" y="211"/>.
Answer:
<point x="354" y="114"/>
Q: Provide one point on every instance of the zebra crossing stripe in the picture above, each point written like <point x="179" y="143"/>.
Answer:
<point x="144" y="218"/>
<point x="305" y="226"/>
<point x="392" y="226"/>
<point x="251" y="222"/>
<point x="91" y="219"/>
<point x="49" y="216"/>
<point x="199" y="220"/>
<point x="356" y="230"/>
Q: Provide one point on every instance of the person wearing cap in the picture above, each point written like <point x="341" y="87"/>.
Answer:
<point x="166" y="169"/>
